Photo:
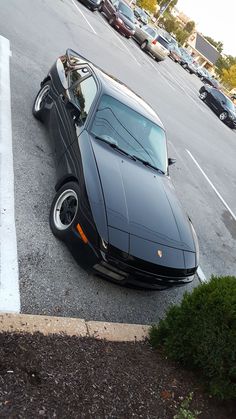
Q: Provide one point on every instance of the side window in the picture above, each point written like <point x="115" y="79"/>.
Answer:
<point x="83" y="95"/>
<point x="219" y="96"/>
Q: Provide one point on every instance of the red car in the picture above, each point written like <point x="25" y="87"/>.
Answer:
<point x="119" y="15"/>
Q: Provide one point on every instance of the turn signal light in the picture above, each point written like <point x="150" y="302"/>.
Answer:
<point x="81" y="233"/>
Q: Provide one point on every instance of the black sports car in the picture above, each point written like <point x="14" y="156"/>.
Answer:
<point x="114" y="192"/>
<point x="220" y="104"/>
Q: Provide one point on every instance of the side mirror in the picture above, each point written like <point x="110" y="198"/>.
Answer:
<point x="171" y="161"/>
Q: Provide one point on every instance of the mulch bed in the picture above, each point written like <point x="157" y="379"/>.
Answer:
<point x="69" y="377"/>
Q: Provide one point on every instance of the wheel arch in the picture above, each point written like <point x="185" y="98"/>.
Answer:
<point x="65" y="179"/>
<point x="45" y="80"/>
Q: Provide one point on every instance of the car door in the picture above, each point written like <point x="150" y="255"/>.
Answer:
<point x="63" y="119"/>
<point x="217" y="101"/>
<point x="83" y="97"/>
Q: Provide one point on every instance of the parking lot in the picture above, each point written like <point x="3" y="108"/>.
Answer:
<point x="52" y="281"/>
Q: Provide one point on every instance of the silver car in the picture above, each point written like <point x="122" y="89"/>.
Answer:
<point x="153" y="41"/>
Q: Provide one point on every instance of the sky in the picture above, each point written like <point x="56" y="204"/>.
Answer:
<point x="215" y="18"/>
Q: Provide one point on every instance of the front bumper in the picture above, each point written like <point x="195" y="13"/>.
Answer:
<point x="93" y="5"/>
<point x="122" y="28"/>
<point x="124" y="273"/>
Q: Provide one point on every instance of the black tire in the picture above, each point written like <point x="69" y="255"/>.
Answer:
<point x="62" y="221"/>
<point x="184" y="66"/>
<point x="111" y="21"/>
<point x="38" y="105"/>
<point x="203" y="95"/>
<point x="143" y="46"/>
<point x="223" y="116"/>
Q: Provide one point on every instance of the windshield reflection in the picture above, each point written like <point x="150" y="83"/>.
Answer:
<point x="131" y="132"/>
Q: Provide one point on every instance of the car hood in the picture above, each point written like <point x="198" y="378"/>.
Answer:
<point x="128" y="22"/>
<point x="140" y="201"/>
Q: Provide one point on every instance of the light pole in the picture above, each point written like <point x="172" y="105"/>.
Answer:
<point x="163" y="11"/>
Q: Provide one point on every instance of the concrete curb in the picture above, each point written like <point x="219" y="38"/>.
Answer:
<point x="116" y="332"/>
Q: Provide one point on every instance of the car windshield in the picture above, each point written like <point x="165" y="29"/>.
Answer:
<point x="130" y="131"/>
<point x="126" y="11"/>
<point x="229" y="104"/>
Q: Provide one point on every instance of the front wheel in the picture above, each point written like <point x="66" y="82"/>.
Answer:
<point x="100" y="7"/>
<point x="39" y="102"/>
<point x="111" y="21"/>
<point x="64" y="210"/>
<point x="143" y="46"/>
<point x="203" y="95"/>
<point x="223" y="116"/>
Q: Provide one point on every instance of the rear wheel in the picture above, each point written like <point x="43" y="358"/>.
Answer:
<point x="203" y="95"/>
<point x="143" y="46"/>
<point x="39" y="102"/>
<point x="223" y="116"/>
<point x="64" y="210"/>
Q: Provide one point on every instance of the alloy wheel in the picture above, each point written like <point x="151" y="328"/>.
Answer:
<point x="40" y="100"/>
<point x="65" y="209"/>
<point x="223" y="116"/>
<point x="203" y="95"/>
<point x="143" y="46"/>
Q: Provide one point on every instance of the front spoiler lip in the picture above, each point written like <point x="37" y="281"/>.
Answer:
<point x="143" y="279"/>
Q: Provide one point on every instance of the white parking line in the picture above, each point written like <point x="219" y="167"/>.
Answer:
<point x="164" y="78"/>
<point x="213" y="187"/>
<point x="9" y="282"/>
<point x="86" y="20"/>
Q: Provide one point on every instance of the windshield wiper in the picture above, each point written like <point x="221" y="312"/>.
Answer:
<point x="115" y="146"/>
<point x="147" y="163"/>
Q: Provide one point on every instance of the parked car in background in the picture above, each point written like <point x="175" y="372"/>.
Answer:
<point x="91" y="4"/>
<point x="140" y="15"/>
<point x="168" y="37"/>
<point x="211" y="81"/>
<point x="151" y="41"/>
<point x="201" y="72"/>
<point x="219" y="103"/>
<point x="175" y="53"/>
<point x="188" y="62"/>
<point x="119" y="15"/>
<point x="114" y="195"/>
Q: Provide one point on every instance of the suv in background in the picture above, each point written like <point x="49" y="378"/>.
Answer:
<point x="153" y="41"/>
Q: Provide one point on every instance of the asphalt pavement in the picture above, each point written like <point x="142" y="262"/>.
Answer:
<point x="51" y="280"/>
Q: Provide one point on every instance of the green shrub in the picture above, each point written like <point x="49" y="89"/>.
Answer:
<point x="201" y="334"/>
